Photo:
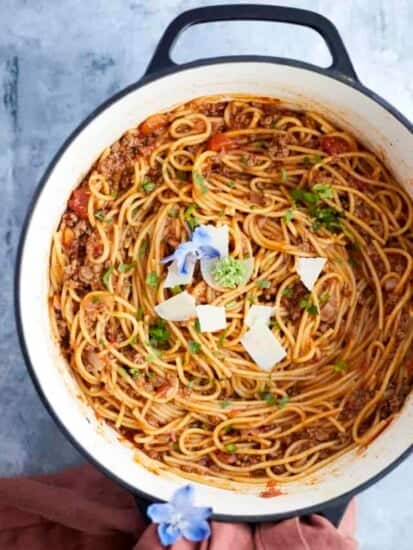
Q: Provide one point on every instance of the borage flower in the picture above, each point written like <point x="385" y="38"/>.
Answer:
<point x="180" y="518"/>
<point x="198" y="247"/>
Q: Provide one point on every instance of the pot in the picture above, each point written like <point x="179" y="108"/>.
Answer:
<point x="336" y="92"/>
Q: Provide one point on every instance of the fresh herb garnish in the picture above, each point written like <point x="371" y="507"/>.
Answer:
<point x="251" y="298"/>
<point x="231" y="305"/>
<point x="95" y="299"/>
<point x="143" y="249"/>
<point x="228" y="272"/>
<point x="325" y="297"/>
<point x="135" y="373"/>
<point x="225" y="404"/>
<point x="287" y="292"/>
<point x="263" y="283"/>
<point x="100" y="215"/>
<point x="313" y="159"/>
<point x="148" y="186"/>
<point x="176" y="289"/>
<point x="268" y="397"/>
<point x="190" y="217"/>
<point x="326" y="216"/>
<point x="340" y="365"/>
<point x="152" y="279"/>
<point x="284" y="175"/>
<point x="139" y="314"/>
<point x="228" y="428"/>
<point x="150" y="358"/>
<point x="101" y="342"/>
<point x="200" y="181"/>
<point x="124" y="268"/>
<point x="133" y="341"/>
<point x="158" y="334"/>
<point x="274" y="324"/>
<point x="289" y="215"/>
<point x="307" y="304"/>
<point x="244" y="160"/>
<point x="323" y="190"/>
<point x="231" y="448"/>
<point x="106" y="277"/>
<point x="222" y="338"/>
<point x="194" y="347"/>
<point x="173" y="212"/>
<point x="283" y="401"/>
<point x="230" y="183"/>
<point x="197" y="325"/>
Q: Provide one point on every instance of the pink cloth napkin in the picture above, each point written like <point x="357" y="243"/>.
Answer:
<point x="80" y="509"/>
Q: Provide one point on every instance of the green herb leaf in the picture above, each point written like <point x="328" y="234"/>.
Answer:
<point x="228" y="428"/>
<point x="200" y="181"/>
<point x="284" y="175"/>
<point x="324" y="191"/>
<point x="221" y="339"/>
<point x="189" y="211"/>
<point x="106" y="277"/>
<point x="173" y="212"/>
<point x="308" y="306"/>
<point x="95" y="299"/>
<point x="263" y="283"/>
<point x="148" y="186"/>
<point x="143" y="249"/>
<point x="231" y="305"/>
<point x="287" y="292"/>
<point x="101" y="342"/>
<point x="268" y="397"/>
<point x="283" y="401"/>
<point x="340" y="365"/>
<point x="228" y="272"/>
<point x="197" y="325"/>
<point x="225" y="404"/>
<point x="193" y="222"/>
<point x="231" y="448"/>
<point x="176" y="289"/>
<point x="100" y="215"/>
<point x="230" y="183"/>
<point x="158" y="334"/>
<point x="152" y="279"/>
<point x="244" y="160"/>
<point x="251" y="298"/>
<point x="150" y="358"/>
<point x="194" y="347"/>
<point x="135" y="373"/>
<point x="139" y="314"/>
<point x="289" y="215"/>
<point x="124" y="268"/>
<point x="132" y="341"/>
<point x="274" y="324"/>
<point x="324" y="297"/>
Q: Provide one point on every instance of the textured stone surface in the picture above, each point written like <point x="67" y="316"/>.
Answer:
<point x="58" y="61"/>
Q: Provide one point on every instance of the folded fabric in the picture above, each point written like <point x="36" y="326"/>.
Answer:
<point x="82" y="509"/>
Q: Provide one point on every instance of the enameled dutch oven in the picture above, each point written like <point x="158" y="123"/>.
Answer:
<point x="336" y="92"/>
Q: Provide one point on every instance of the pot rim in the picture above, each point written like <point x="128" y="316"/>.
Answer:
<point x="146" y="79"/>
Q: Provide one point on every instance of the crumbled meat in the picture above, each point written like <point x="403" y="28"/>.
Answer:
<point x="257" y="198"/>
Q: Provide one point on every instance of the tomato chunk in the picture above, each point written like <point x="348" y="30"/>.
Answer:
<point x="334" y="145"/>
<point x="220" y="142"/>
<point x="78" y="202"/>
<point x="152" y="123"/>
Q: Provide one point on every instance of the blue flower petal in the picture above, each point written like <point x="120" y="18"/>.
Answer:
<point x="168" y="259"/>
<point x="183" y="498"/>
<point x="198" y="513"/>
<point x="207" y="251"/>
<point x="160" y="513"/>
<point x="168" y="534"/>
<point x="201" y="236"/>
<point x="196" y="531"/>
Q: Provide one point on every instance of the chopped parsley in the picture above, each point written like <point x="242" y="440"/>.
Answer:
<point x="150" y="358"/>
<point x="340" y="365"/>
<point x="194" y="347"/>
<point x="251" y="298"/>
<point x="225" y="404"/>
<point x="222" y="338"/>
<point x="143" y="249"/>
<point x="101" y="342"/>
<point x="283" y="401"/>
<point x="158" y="334"/>
<point x="268" y="397"/>
<point x="284" y="175"/>
<point x="287" y="292"/>
<point x="313" y="159"/>
<point x="228" y="272"/>
<point x="197" y="325"/>
<point x="200" y="181"/>
<point x="133" y="341"/>
<point x="173" y="212"/>
<point x="307" y="304"/>
<point x="231" y="305"/>
<point x="228" y="428"/>
<point x="139" y="314"/>
<point x="230" y="183"/>
<point x="326" y="216"/>
<point x="100" y="215"/>
<point x="274" y="324"/>
<point x="289" y="215"/>
<point x="324" y="191"/>
<point x="231" y="448"/>
<point x="152" y="279"/>
<point x="325" y="297"/>
<point x="95" y="299"/>
<point x="107" y="276"/>
<point x="190" y="217"/>
<point x="176" y="289"/>
<point x="135" y="373"/>
<point x="263" y="283"/>
<point x="148" y="186"/>
<point x="244" y="160"/>
<point x="124" y="268"/>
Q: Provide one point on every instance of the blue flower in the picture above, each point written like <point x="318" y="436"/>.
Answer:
<point x="179" y="517"/>
<point x="198" y="247"/>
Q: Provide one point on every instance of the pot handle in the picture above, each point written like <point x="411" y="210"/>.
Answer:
<point x="341" y="61"/>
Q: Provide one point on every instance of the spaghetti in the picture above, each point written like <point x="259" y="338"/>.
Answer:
<point x="288" y="184"/>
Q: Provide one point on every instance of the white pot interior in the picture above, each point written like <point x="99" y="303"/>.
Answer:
<point x="349" y="108"/>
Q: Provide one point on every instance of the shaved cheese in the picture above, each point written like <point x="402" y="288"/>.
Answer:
<point x="211" y="318"/>
<point x="174" y="278"/>
<point x="178" y="308"/>
<point x="309" y="269"/>
<point x="208" y="264"/>
<point x="257" y="312"/>
<point x="263" y="346"/>
<point x="219" y="238"/>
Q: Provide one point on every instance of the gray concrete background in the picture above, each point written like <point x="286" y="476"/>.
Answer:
<point x="58" y="60"/>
